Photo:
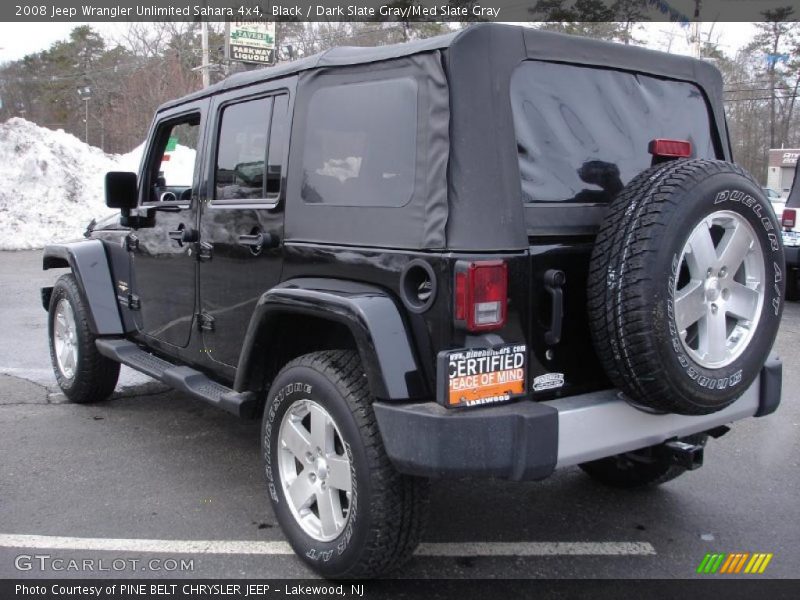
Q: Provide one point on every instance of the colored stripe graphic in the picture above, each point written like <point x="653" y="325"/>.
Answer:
<point x="764" y="564"/>
<point x="733" y="563"/>
<point x="702" y="567"/>
<point x="741" y="562"/>
<point x="759" y="562"/>
<point x="732" y="558"/>
<point x="717" y="563"/>
<point x="711" y="563"/>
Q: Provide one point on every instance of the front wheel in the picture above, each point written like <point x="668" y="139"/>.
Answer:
<point x="344" y="509"/>
<point x="83" y="374"/>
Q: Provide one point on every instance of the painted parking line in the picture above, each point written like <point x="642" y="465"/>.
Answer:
<point x="538" y="549"/>
<point x="50" y="542"/>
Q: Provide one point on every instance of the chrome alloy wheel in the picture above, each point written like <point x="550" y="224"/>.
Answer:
<point x="65" y="338"/>
<point x="314" y="470"/>
<point x="719" y="289"/>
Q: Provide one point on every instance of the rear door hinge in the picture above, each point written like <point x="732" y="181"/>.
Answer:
<point x="205" y="321"/>
<point x="204" y="251"/>
<point x="133" y="302"/>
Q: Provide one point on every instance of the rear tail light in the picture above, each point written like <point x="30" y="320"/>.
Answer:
<point x="670" y="148"/>
<point x="481" y="294"/>
<point x="789" y="218"/>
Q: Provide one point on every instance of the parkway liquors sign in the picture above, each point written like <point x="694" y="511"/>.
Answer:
<point x="251" y="41"/>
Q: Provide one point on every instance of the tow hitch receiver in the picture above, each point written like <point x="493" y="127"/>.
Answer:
<point x="689" y="456"/>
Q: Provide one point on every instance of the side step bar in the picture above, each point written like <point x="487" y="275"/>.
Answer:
<point x="185" y="379"/>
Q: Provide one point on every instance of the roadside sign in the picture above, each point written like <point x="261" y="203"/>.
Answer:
<point x="251" y="41"/>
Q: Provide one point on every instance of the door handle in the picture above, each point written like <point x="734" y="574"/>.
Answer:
<point x="255" y="240"/>
<point x="183" y="234"/>
<point x="554" y="281"/>
<point x="259" y="240"/>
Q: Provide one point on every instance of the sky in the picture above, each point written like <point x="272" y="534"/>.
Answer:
<point x="19" y="39"/>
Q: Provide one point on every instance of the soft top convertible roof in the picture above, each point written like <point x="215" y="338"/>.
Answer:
<point x="341" y="56"/>
<point x="539" y="44"/>
<point x="472" y="198"/>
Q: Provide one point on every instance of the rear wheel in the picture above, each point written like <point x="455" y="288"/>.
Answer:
<point x="82" y="373"/>
<point x="343" y="507"/>
<point x="643" y="468"/>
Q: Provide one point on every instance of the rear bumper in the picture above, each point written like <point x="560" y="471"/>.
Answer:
<point x="529" y="440"/>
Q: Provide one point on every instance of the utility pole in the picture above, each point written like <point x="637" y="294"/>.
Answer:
<point x="227" y="67"/>
<point x="696" y="29"/>
<point x="205" y="66"/>
<point x="85" y="93"/>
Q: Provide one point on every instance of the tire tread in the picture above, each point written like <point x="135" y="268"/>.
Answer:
<point x="399" y="503"/>
<point x="96" y="375"/>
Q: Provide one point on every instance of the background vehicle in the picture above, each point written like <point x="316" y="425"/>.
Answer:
<point x="408" y="276"/>
<point x="787" y="214"/>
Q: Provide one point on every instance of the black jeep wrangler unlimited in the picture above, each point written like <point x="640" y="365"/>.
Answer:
<point x="489" y="254"/>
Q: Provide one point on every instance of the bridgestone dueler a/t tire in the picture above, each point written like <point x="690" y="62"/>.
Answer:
<point x="632" y="277"/>
<point x="95" y="375"/>
<point x="388" y="510"/>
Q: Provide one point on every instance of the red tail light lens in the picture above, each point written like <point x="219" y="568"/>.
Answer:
<point x="670" y="148"/>
<point x="481" y="294"/>
<point x="789" y="218"/>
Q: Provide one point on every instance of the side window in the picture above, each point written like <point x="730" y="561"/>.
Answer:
<point x="278" y="142"/>
<point x="171" y="173"/>
<point x="360" y="144"/>
<point x="242" y="151"/>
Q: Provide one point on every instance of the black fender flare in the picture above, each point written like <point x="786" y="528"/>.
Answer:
<point x="89" y="264"/>
<point x="369" y="312"/>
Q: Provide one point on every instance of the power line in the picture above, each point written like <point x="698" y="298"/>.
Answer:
<point x="766" y="89"/>
<point x="790" y="97"/>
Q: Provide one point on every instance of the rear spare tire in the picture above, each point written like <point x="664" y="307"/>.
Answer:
<point x="686" y="286"/>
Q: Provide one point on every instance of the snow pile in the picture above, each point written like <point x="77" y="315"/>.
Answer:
<point x="51" y="183"/>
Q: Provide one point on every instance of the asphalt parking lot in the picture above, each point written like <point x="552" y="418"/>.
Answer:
<point x="153" y="474"/>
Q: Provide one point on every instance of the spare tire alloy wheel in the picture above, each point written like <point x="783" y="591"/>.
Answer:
<point x="720" y="288"/>
<point x="686" y="286"/>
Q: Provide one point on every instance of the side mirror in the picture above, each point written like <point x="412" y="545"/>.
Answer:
<point x="121" y="190"/>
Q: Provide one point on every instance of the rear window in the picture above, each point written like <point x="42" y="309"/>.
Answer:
<point x="360" y="146"/>
<point x="582" y="133"/>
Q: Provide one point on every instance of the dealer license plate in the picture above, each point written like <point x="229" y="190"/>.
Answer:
<point x="476" y="376"/>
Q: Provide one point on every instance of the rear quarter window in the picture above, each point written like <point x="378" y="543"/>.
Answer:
<point x="360" y="145"/>
<point x="582" y="132"/>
